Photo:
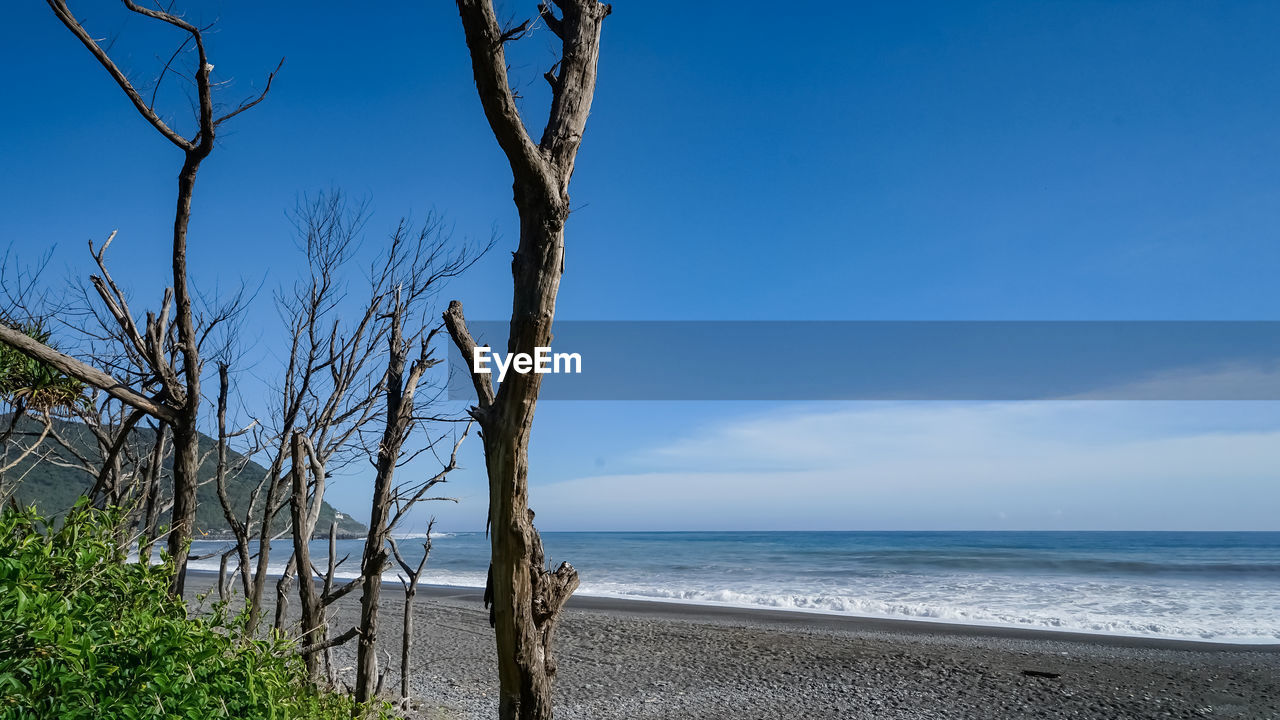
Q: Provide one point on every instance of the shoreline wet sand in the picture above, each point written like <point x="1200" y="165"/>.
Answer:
<point x="638" y="659"/>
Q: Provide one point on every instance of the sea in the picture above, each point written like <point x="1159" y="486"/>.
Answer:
<point x="1218" y="586"/>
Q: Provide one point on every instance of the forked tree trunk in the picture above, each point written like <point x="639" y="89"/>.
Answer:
<point x="283" y="586"/>
<point x="313" y="631"/>
<point x="402" y="382"/>
<point x="224" y="580"/>
<point x="186" y="464"/>
<point x="264" y="548"/>
<point x="527" y="598"/>
<point x="329" y="669"/>
<point x="186" y="439"/>
<point x="151" y="494"/>
<point x="410" y="582"/>
<point x="372" y="564"/>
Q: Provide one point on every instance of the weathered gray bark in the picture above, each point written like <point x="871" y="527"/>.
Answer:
<point x="186" y="436"/>
<point x="312" y="620"/>
<point x="402" y="383"/>
<point x="283" y="586"/>
<point x="410" y="583"/>
<point x="527" y="598"/>
<point x="330" y="571"/>
<point x="224" y="581"/>
<point x="151" y="490"/>
<point x="72" y="367"/>
<point x="264" y="549"/>
<point x="238" y="529"/>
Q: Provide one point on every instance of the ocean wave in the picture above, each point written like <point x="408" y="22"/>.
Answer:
<point x="1194" y="619"/>
<point x="993" y="562"/>
<point x="350" y="570"/>
<point x="1184" y="628"/>
<point x="1222" y="588"/>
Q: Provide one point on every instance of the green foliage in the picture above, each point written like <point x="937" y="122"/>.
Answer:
<point x="84" y="634"/>
<point x="35" y="385"/>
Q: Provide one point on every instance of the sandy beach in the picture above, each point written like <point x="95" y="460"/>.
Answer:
<point x="633" y="659"/>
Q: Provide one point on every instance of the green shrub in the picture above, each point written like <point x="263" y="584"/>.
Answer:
<point x="85" y="635"/>
<point x="35" y="385"/>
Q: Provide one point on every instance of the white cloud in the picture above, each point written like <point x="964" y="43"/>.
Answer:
<point x="1023" y="465"/>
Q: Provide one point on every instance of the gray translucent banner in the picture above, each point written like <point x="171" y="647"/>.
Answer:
<point x="917" y="360"/>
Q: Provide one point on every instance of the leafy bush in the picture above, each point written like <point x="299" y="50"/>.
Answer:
<point x="35" y="385"/>
<point x="84" y="634"/>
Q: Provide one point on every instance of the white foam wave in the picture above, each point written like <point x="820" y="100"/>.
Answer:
<point x="1245" y="622"/>
<point x="1243" y="611"/>
<point x="1213" y="626"/>
<point x="350" y="570"/>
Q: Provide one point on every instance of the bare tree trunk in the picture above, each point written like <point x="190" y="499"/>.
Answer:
<point x="283" y="585"/>
<point x="151" y="512"/>
<point x="401" y="383"/>
<point x="312" y="622"/>
<point x="367" y="654"/>
<point x="186" y="464"/>
<point x="375" y="552"/>
<point x="410" y="583"/>
<point x="406" y="641"/>
<point x="329" y="669"/>
<point x="186" y="439"/>
<point x="264" y="554"/>
<point x="222" y="577"/>
<point x="146" y="489"/>
<point x="238" y="530"/>
<point x="527" y="598"/>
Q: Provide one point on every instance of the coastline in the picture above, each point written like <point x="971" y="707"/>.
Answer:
<point x="623" y="658"/>
<point x="829" y="621"/>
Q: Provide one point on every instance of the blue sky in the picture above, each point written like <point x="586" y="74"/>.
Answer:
<point x="1018" y="160"/>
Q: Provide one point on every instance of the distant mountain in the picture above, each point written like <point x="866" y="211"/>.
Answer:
<point x="54" y="488"/>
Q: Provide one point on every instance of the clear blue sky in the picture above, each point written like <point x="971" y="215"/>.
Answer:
<point x="1017" y="160"/>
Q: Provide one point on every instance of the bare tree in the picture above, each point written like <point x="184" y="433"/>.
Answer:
<point x="390" y="504"/>
<point x="342" y="380"/>
<point x="331" y="386"/>
<point x="312" y="612"/>
<point x="527" y="597"/>
<point x="26" y="451"/>
<point x="410" y="582"/>
<point x="177" y="374"/>
<point x="239" y="529"/>
<point x="150" y="492"/>
<point x="416" y="265"/>
<point x="327" y="592"/>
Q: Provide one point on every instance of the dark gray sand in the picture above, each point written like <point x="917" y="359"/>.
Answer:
<point x="625" y="659"/>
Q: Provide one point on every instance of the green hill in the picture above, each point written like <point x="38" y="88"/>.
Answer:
<point x="54" y="488"/>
